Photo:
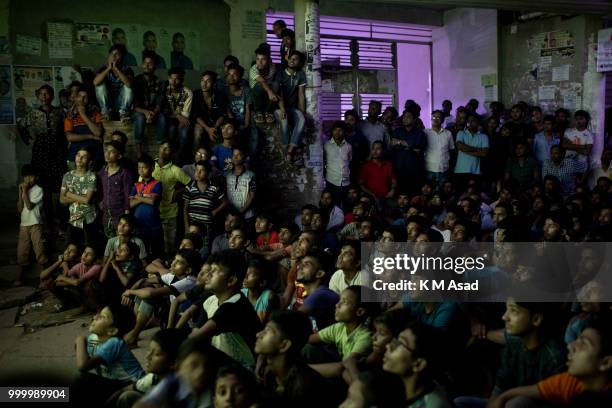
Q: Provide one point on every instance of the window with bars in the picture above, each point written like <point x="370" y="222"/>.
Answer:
<point x="375" y="51"/>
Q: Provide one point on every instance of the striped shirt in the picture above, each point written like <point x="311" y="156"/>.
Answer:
<point x="200" y="204"/>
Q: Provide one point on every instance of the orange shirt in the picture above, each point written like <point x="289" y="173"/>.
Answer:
<point x="562" y="388"/>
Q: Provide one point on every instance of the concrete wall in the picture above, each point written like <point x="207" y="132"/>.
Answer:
<point x="464" y="49"/>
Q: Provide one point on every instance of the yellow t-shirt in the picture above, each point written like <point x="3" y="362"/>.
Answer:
<point x="169" y="175"/>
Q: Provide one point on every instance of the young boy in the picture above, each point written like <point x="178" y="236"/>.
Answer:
<point x="241" y="185"/>
<point x="255" y="288"/>
<point x="83" y="128"/>
<point x="157" y="290"/>
<point x="161" y="362"/>
<point x="193" y="382"/>
<point x="232" y="321"/>
<point x="78" y="283"/>
<point x="349" y="335"/>
<point x="411" y="356"/>
<point x="349" y="268"/>
<point x="125" y="228"/>
<point x="121" y="269"/>
<point x="278" y="347"/>
<point x="105" y="351"/>
<point x="78" y="189"/>
<point x="62" y="266"/>
<point x="144" y="199"/>
<point x="115" y="183"/>
<point x="203" y="201"/>
<point x="589" y="370"/>
<point x="196" y="296"/>
<point x="29" y="204"/>
<point x="531" y="353"/>
<point x="263" y="228"/>
<point x="173" y="179"/>
<point x="235" y="387"/>
<point x="223" y="151"/>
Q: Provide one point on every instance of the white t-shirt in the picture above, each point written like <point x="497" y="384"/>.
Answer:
<point x="33" y="216"/>
<point x="182" y="285"/>
<point x="439" y="146"/>
<point x="580" y="138"/>
<point x="338" y="284"/>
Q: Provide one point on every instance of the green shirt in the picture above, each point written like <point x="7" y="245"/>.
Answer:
<point x="359" y="341"/>
<point x="522" y="367"/>
<point x="169" y="175"/>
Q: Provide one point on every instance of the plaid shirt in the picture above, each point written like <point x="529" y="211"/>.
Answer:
<point x="565" y="172"/>
<point x="179" y="104"/>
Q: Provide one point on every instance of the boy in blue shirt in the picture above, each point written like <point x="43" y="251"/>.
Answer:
<point x="105" y="351"/>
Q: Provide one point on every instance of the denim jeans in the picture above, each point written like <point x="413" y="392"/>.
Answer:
<point x="291" y="137"/>
<point x="437" y="179"/>
<point x="121" y="101"/>
<point x="175" y="130"/>
<point x="139" y="127"/>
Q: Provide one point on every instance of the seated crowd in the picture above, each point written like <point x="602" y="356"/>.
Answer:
<point x="258" y="311"/>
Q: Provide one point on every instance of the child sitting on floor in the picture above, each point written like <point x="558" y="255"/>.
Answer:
<point x="121" y="270"/>
<point x="235" y="387"/>
<point x="265" y="235"/>
<point x="195" y="297"/>
<point x="255" y="288"/>
<point x="62" y="266"/>
<point x="105" y="351"/>
<point x="156" y="291"/>
<point x="80" y="283"/>
<point x="161" y="362"/>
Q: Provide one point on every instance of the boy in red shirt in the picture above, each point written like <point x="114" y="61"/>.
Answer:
<point x="265" y="235"/>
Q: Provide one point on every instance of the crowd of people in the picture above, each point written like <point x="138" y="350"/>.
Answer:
<point x="254" y="310"/>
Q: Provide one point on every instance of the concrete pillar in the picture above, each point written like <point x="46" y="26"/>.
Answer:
<point x="307" y="11"/>
<point x="594" y="98"/>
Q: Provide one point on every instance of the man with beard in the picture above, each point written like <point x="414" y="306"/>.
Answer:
<point x="147" y="102"/>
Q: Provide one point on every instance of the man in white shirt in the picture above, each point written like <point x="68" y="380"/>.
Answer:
<point x="578" y="141"/>
<point x="338" y="154"/>
<point x="438" y="153"/>
<point x="349" y="268"/>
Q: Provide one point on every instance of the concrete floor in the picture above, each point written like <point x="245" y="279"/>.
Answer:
<point x="36" y="355"/>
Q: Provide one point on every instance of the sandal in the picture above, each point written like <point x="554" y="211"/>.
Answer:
<point x="259" y="118"/>
<point x="125" y="120"/>
<point x="270" y="118"/>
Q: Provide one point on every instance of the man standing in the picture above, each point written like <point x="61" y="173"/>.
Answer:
<point x="209" y="107"/>
<point x="372" y="128"/>
<point x="565" y="169"/>
<point x="178" y="59"/>
<point x="338" y="155"/>
<point x="472" y="146"/>
<point x="438" y="153"/>
<point x="113" y="84"/>
<point x="177" y="108"/>
<point x="292" y="90"/>
<point x="408" y="146"/>
<point x="147" y="102"/>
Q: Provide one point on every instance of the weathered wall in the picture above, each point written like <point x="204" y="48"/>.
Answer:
<point x="464" y="49"/>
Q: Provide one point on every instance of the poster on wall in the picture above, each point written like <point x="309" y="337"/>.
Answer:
<point x="604" y="50"/>
<point x="92" y="34"/>
<point x="7" y="108"/>
<point x="559" y="43"/>
<point x="60" y="40"/>
<point x="26" y="80"/>
<point x="25" y="44"/>
<point x="176" y="47"/>
<point x="63" y="76"/>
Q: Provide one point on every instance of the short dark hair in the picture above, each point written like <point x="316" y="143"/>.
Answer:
<point x="196" y="240"/>
<point x="238" y="68"/>
<point x="147" y="161"/>
<point x="382" y="389"/>
<point x="169" y="341"/>
<point x="48" y="88"/>
<point x="602" y="324"/>
<point x="280" y="23"/>
<point x="177" y="35"/>
<point x="353" y="113"/>
<point x="339" y="125"/>
<point x="120" y="147"/>
<point x="117" y="31"/>
<point x="148" y="34"/>
<point x="123" y="318"/>
<point x="294" y="326"/>
<point x="300" y="55"/>
<point x="231" y="58"/>
<point x="204" y="164"/>
<point x="176" y="71"/>
<point x="129" y="218"/>
<point x="263" y="49"/>
<point x="119" y="47"/>
<point x="214" y="357"/>
<point x="77" y="84"/>
<point x="233" y="261"/>
<point x="376" y="102"/>
<point x="245" y="377"/>
<point x="193" y="258"/>
<point x="287" y="32"/>
<point x="395" y="320"/>
<point x="122" y="135"/>
<point x="28" y="170"/>
<point x="548" y="118"/>
<point x="584" y="114"/>
<point x="149" y="54"/>
<point x="211" y="74"/>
